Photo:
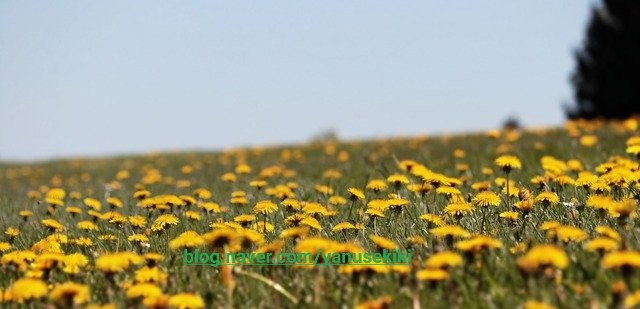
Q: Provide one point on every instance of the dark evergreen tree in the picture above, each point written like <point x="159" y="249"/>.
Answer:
<point x="606" y="80"/>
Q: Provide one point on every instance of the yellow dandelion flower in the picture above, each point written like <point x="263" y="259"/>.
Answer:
<point x="295" y="219"/>
<point x="141" y="194"/>
<point x="94" y="215"/>
<point x="56" y="193"/>
<point x="567" y="233"/>
<point x="114" y="217"/>
<point x="138" y="221"/>
<point x="332" y="174"/>
<point x="547" y="198"/>
<point x="443" y="260"/>
<point x="542" y="256"/>
<point x="153" y="258"/>
<point x="82" y="242"/>
<point x="337" y="200"/>
<point x="342" y="226"/>
<point x="243" y="169"/>
<point x="481" y="186"/>
<point x="143" y="290"/>
<point x="46" y="245"/>
<point x="323" y="189"/>
<point x="621" y="259"/>
<point x="52" y="225"/>
<point x="295" y="232"/>
<point x="601" y="244"/>
<point x="73" y="210"/>
<point x="432" y="275"/>
<point x="12" y="232"/>
<point x="244" y="219"/>
<point x="486" y="198"/>
<point x="379" y="303"/>
<point x="532" y="304"/>
<point x="117" y="262"/>
<point x="26" y="289"/>
<point x="376" y="185"/>
<point x="265" y="207"/>
<point x="72" y="263"/>
<point x="150" y="275"/>
<point x="356" y="194"/>
<point x="450" y="231"/>
<point x="508" y="163"/>
<point x="632" y="300"/>
<point x="509" y="215"/>
<point x="186" y="301"/>
<point x="263" y="227"/>
<point x="188" y="200"/>
<point x="34" y="195"/>
<point x="272" y="248"/>
<point x="68" y="293"/>
<point x="311" y="222"/>
<point x="221" y="238"/>
<point x="164" y="221"/>
<point x="458" y="209"/>
<point x="575" y="165"/>
<point x="433" y="219"/>
<point x="634" y="150"/>
<point x="210" y="207"/>
<point x="416" y="240"/>
<point x="608" y="232"/>
<point x="624" y="209"/>
<point x="549" y="225"/>
<point x="160" y="301"/>
<point x="92" y="203"/>
<point x="25" y="214"/>
<point x="378" y="204"/>
<point x="478" y="243"/>
<point x="192" y="215"/>
<point x="448" y="191"/>
<point x="398" y="179"/>
<point x="314" y="209"/>
<point x="114" y="202"/>
<point x="487" y="171"/>
<point x="397" y="203"/>
<point x="138" y="238"/>
<point x="420" y="188"/>
<point x="519" y="248"/>
<point x="634" y="140"/>
<point x="374" y="212"/>
<point x="109" y="237"/>
<point x="226" y="225"/>
<point x="57" y="237"/>
<point x="525" y="205"/>
<point x="383" y="243"/>
<point x="293" y="204"/>
<point x="588" y="140"/>
<point x="585" y="179"/>
<point x="600" y="202"/>
<point x="202" y="193"/>
<point x="407" y="165"/>
<point x="229" y="177"/>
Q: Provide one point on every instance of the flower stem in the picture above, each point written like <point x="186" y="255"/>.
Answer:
<point x="350" y="209"/>
<point x="508" y="196"/>
<point x="276" y="286"/>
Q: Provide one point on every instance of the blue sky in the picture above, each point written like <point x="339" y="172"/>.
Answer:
<point x="110" y="77"/>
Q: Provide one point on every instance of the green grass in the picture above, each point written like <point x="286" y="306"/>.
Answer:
<point x="488" y="280"/>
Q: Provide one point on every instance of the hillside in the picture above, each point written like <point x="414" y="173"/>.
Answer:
<point x="565" y="235"/>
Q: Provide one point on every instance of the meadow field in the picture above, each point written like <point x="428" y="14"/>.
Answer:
<point x="509" y="218"/>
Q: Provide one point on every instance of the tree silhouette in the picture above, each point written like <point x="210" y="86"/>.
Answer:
<point x="606" y="80"/>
